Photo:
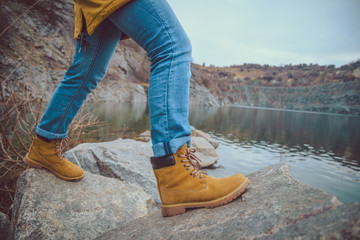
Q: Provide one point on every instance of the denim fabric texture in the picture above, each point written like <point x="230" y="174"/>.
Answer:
<point x="153" y="25"/>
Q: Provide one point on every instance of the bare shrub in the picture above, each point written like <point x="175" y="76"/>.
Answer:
<point x="19" y="116"/>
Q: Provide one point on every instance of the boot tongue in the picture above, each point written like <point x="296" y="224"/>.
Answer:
<point x="183" y="149"/>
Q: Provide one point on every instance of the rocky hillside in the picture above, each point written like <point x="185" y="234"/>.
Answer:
<point x="300" y="87"/>
<point x="37" y="47"/>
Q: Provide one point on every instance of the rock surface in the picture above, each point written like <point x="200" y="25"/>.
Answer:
<point x="204" y="151"/>
<point x="124" y="159"/>
<point x="4" y="226"/>
<point x="46" y="207"/>
<point x="43" y="39"/>
<point x="275" y="206"/>
<point x="146" y="136"/>
<point x="341" y="222"/>
<point x="199" y="133"/>
<point x="129" y="160"/>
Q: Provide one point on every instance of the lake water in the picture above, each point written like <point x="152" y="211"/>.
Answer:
<point x="323" y="150"/>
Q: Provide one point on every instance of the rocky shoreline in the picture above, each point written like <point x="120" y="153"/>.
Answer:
<point x="118" y="199"/>
<point x="274" y="207"/>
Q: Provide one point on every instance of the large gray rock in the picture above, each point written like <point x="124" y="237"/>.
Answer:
<point x="199" y="133"/>
<point x="124" y="159"/>
<point x="275" y="206"/>
<point x="4" y="226"/>
<point x="129" y="160"/>
<point x="204" y="151"/>
<point x="146" y="136"/>
<point x="46" y="207"/>
<point x="334" y="222"/>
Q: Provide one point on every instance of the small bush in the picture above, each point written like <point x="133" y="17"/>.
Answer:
<point x="19" y="116"/>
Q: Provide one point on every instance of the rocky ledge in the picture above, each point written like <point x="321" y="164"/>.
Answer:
<point x="117" y="200"/>
<point x="46" y="207"/>
<point x="274" y="207"/>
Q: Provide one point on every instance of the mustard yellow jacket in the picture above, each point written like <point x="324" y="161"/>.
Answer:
<point x="94" y="12"/>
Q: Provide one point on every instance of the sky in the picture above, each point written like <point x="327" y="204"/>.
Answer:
<point x="274" y="32"/>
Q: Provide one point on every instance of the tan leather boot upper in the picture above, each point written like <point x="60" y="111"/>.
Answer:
<point x="47" y="154"/>
<point x="181" y="183"/>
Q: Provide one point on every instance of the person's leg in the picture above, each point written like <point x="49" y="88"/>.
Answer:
<point x="154" y="26"/>
<point x="87" y="69"/>
<point x="181" y="184"/>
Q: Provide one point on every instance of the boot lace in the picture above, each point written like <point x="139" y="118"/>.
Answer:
<point x="192" y="162"/>
<point x="59" y="145"/>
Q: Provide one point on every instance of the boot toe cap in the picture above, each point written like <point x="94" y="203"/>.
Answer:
<point x="71" y="171"/>
<point x="234" y="182"/>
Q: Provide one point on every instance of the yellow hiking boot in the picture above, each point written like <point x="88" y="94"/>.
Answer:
<point x="45" y="153"/>
<point x="181" y="184"/>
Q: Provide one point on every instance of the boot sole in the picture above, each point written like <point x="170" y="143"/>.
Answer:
<point x="35" y="164"/>
<point x="176" y="209"/>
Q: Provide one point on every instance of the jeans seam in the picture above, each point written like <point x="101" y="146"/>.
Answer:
<point x="84" y="79"/>
<point x="171" y="64"/>
<point x="168" y="147"/>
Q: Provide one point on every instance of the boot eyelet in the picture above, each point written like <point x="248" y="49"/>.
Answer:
<point x="178" y="155"/>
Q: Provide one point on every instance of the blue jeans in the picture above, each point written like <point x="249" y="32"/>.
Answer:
<point x="153" y="25"/>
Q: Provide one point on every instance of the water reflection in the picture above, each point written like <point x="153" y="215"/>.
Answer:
<point x="123" y="120"/>
<point x="323" y="150"/>
<point x="318" y="133"/>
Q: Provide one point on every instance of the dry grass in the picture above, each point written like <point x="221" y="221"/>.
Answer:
<point x="19" y="116"/>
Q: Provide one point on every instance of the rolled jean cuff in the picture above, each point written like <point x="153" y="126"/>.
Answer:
<point x="170" y="147"/>
<point x="50" y="135"/>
